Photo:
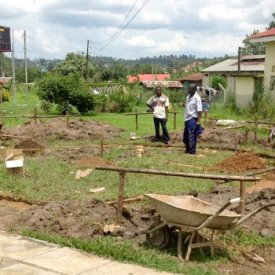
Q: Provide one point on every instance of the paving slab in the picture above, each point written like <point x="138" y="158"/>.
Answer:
<point x="22" y="269"/>
<point x="116" y="268"/>
<point x="66" y="260"/>
<point x="25" y="256"/>
<point x="19" y="248"/>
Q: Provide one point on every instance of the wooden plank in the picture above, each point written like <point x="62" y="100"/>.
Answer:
<point x="178" y="174"/>
<point x="120" y="196"/>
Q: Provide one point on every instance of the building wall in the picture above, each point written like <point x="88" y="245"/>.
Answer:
<point x="244" y="89"/>
<point x="206" y="79"/>
<point x="269" y="73"/>
<point x="230" y="85"/>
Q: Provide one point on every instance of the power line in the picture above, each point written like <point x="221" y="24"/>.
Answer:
<point x="123" y="27"/>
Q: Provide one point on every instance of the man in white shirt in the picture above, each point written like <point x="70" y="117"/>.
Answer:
<point x="159" y="104"/>
<point x="193" y="112"/>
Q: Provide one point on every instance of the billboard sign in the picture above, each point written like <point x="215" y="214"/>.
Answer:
<point x="5" y="39"/>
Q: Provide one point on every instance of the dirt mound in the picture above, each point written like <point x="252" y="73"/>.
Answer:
<point x="215" y="135"/>
<point x="57" y="129"/>
<point x="91" y="162"/>
<point x="81" y="219"/>
<point x="29" y="144"/>
<point x="241" y="162"/>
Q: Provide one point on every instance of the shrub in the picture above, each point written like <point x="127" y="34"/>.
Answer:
<point x="216" y="80"/>
<point x="66" y="91"/>
<point x="5" y="96"/>
<point x="46" y="106"/>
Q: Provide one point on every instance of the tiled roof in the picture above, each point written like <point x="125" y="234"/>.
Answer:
<point x="148" y="77"/>
<point x="192" y="77"/>
<point x="270" y="32"/>
<point x="132" y="78"/>
<point x="166" y="84"/>
<point x="4" y="80"/>
<point x="266" y="36"/>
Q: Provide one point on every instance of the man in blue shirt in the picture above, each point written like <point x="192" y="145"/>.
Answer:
<point x="193" y="112"/>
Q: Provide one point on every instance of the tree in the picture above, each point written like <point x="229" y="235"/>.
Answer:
<point x="272" y="23"/>
<point x="251" y="48"/>
<point x="259" y="47"/>
<point x="75" y="64"/>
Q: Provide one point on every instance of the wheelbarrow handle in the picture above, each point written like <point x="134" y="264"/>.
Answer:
<point x="244" y="218"/>
<point x="207" y="221"/>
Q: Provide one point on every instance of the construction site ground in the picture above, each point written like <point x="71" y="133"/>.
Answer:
<point x="95" y="217"/>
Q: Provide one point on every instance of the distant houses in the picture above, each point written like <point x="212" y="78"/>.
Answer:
<point x="241" y="77"/>
<point x="195" y="78"/>
<point x="268" y="37"/>
<point x="150" y="81"/>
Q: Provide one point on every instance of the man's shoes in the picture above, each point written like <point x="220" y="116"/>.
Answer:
<point x="168" y="142"/>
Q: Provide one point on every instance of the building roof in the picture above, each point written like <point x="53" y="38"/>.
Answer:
<point x="4" y="80"/>
<point x="165" y="84"/>
<point x="266" y="36"/>
<point x="192" y="77"/>
<point x="132" y="78"/>
<point x="147" y="77"/>
<point x="231" y="65"/>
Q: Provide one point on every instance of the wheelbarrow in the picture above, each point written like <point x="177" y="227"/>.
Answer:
<point x="190" y="214"/>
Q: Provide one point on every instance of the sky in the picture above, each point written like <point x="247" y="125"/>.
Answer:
<point x="132" y="29"/>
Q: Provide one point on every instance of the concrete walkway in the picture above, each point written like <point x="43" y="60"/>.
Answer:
<point x="25" y="256"/>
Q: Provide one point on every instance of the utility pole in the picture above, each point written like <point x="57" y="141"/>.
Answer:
<point x="26" y="64"/>
<point x="87" y="60"/>
<point x="13" y="70"/>
<point x="239" y="59"/>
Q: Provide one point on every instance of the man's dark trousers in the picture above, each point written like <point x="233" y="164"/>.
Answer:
<point x="162" y="122"/>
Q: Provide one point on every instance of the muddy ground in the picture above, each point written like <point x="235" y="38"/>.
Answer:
<point x="93" y="218"/>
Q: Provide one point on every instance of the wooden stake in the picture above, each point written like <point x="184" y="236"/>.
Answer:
<point x="120" y="195"/>
<point x="242" y="195"/>
<point x="67" y="121"/>
<point x="136" y="119"/>
<point x="35" y="115"/>
<point x="101" y="147"/>
<point x="175" y="117"/>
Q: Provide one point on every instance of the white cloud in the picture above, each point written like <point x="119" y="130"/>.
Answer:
<point x="140" y="41"/>
<point x="198" y="27"/>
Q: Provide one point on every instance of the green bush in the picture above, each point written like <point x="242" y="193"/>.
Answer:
<point x="46" y="106"/>
<point x="5" y="96"/>
<point x="66" y="91"/>
<point x="216" y="80"/>
<point x="121" y="102"/>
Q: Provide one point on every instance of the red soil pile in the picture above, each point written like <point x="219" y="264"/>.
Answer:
<point x="241" y="162"/>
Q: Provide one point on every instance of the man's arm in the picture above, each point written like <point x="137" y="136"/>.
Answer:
<point x="150" y="107"/>
<point x="149" y="104"/>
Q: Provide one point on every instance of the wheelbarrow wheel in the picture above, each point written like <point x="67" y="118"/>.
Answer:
<point x="160" y="238"/>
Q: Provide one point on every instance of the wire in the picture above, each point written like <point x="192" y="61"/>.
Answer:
<point x="123" y="26"/>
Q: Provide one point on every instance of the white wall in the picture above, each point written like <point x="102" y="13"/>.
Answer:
<point x="244" y="89"/>
<point x="269" y="73"/>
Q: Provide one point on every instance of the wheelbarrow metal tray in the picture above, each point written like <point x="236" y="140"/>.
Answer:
<point x="190" y="211"/>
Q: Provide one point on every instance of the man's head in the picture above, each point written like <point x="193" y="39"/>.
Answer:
<point x="158" y="91"/>
<point x="192" y="89"/>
